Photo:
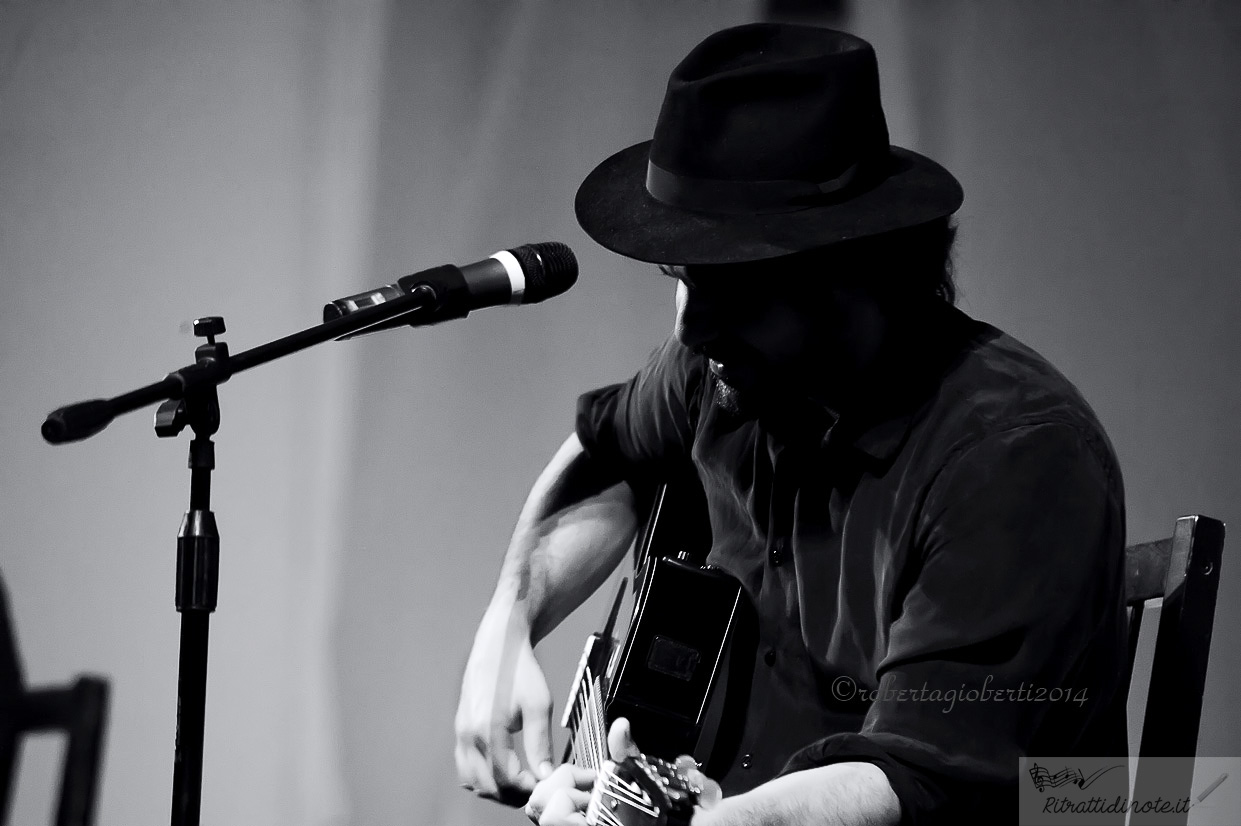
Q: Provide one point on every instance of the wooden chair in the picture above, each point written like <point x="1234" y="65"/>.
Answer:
<point x="80" y="710"/>
<point x="1183" y="571"/>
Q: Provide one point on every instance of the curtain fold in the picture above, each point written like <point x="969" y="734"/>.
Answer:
<point x="160" y="162"/>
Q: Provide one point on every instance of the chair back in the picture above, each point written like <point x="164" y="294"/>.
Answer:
<point x="1182" y="571"/>
<point x="79" y="709"/>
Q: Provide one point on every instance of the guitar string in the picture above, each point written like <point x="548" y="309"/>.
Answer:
<point x="580" y="740"/>
<point x="611" y="782"/>
<point x="634" y="803"/>
<point x="583" y="726"/>
<point x="614" y="785"/>
<point x="602" y="815"/>
<point x="605" y="817"/>
<point x="583" y="746"/>
<point x="575" y="719"/>
<point x="592" y="736"/>
<point x="589" y="749"/>
<point x="582" y="743"/>
<point x="600" y="720"/>
<point x="588" y="725"/>
<point x="601" y="725"/>
<point x="572" y="726"/>
<point x="602" y="812"/>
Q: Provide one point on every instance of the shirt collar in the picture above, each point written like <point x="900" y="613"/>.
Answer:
<point x="902" y="384"/>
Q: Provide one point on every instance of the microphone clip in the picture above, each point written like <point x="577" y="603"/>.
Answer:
<point x="199" y="404"/>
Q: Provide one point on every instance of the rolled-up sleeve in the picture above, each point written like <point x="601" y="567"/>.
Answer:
<point x="643" y="428"/>
<point x="1016" y="572"/>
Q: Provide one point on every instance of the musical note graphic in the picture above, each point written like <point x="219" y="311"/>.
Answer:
<point x="1043" y="779"/>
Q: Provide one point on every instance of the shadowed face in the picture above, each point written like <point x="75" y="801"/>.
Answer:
<point x="773" y="330"/>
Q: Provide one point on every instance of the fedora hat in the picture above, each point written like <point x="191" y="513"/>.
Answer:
<point x="771" y="140"/>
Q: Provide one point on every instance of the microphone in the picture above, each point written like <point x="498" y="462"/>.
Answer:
<point x="523" y="275"/>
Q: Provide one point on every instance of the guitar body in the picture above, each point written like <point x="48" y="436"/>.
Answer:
<point x="681" y="676"/>
<point x="671" y="678"/>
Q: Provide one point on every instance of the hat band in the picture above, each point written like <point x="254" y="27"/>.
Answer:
<point x="750" y="197"/>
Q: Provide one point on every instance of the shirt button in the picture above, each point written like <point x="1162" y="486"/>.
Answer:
<point x="770" y="656"/>
<point x="747" y="760"/>
<point x="779" y="551"/>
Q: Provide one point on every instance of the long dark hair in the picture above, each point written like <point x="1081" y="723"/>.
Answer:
<point x="903" y="269"/>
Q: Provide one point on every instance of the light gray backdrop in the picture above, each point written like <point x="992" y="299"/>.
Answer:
<point x="161" y="161"/>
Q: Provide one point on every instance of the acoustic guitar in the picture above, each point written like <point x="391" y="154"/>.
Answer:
<point x="681" y="676"/>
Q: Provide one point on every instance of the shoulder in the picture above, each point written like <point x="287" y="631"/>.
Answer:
<point x="1000" y="388"/>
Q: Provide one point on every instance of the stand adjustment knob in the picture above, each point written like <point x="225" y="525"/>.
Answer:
<point x="209" y="327"/>
<point x="170" y="418"/>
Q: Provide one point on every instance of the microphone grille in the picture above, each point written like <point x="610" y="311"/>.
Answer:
<point x="550" y="268"/>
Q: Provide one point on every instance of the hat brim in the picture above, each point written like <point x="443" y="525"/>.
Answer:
<point x="615" y="209"/>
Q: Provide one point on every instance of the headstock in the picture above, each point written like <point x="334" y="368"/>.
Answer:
<point x="642" y="791"/>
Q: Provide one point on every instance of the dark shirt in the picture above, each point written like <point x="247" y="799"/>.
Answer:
<point x="959" y="529"/>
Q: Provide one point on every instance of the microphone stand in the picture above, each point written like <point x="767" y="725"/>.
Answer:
<point x="192" y="399"/>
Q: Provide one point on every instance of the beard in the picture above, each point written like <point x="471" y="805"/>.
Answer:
<point x="742" y="400"/>
<point x="772" y="398"/>
<point x="733" y="401"/>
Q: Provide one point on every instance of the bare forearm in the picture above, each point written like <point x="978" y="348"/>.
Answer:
<point x="842" y="794"/>
<point x="572" y="532"/>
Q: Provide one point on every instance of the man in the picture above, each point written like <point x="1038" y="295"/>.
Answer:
<point x="926" y="515"/>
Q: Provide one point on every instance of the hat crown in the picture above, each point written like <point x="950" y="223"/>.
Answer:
<point x="772" y="102"/>
<point x="771" y="141"/>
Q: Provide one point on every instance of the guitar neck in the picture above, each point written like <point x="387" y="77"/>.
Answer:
<point x="583" y="714"/>
<point x="588" y="742"/>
